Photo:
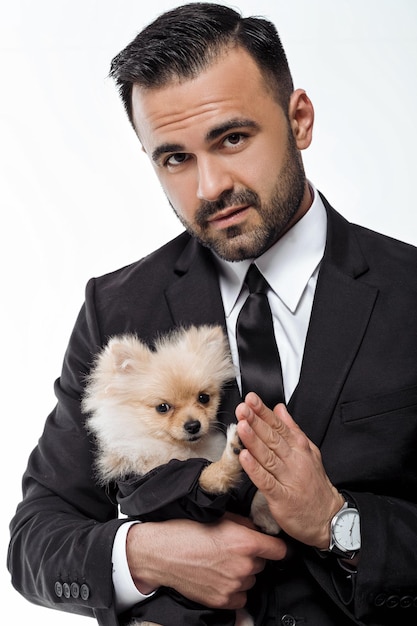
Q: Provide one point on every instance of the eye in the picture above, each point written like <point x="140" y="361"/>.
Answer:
<point x="234" y="139"/>
<point x="164" y="407"/>
<point x="203" y="398"/>
<point x="174" y="160"/>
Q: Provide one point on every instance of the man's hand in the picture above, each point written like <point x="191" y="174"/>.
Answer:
<point x="214" y="564"/>
<point x="287" y="468"/>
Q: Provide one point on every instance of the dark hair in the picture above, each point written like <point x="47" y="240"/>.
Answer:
<point x="186" y="40"/>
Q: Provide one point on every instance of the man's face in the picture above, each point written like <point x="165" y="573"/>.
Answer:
<point x="225" y="155"/>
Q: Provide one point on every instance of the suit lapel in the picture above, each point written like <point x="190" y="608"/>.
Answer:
<point x="194" y="298"/>
<point x="341" y="311"/>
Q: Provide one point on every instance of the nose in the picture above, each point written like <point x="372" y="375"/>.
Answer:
<point x="213" y="178"/>
<point x="192" y="426"/>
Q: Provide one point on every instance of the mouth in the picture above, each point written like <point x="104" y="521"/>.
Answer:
<point x="229" y="217"/>
<point x="194" y="438"/>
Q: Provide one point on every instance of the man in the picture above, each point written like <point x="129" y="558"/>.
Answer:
<point x="210" y="97"/>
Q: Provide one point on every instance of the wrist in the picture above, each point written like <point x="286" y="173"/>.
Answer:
<point x="139" y="561"/>
<point x="126" y="593"/>
<point x="325" y="539"/>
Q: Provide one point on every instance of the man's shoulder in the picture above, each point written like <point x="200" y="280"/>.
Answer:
<point x="371" y="241"/>
<point x="377" y="259"/>
<point x="154" y="267"/>
<point x="376" y="244"/>
<point x="392" y="264"/>
<point x="150" y="295"/>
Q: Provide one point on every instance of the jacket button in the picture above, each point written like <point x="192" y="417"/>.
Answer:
<point x="406" y="602"/>
<point x="58" y="589"/>
<point x="75" y="590"/>
<point x="67" y="591"/>
<point x="288" y="620"/>
<point x="85" y="591"/>
<point x="380" y="599"/>
<point x="392" y="602"/>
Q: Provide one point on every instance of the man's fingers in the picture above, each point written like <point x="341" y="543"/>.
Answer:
<point x="259" y="409"/>
<point x="261" y="477"/>
<point x="266" y="441"/>
<point x="272" y="548"/>
<point x="285" y="418"/>
<point x="254" y="410"/>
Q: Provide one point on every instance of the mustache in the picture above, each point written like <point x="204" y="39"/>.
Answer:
<point x="227" y="198"/>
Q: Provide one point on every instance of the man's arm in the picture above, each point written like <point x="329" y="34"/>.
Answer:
<point x="226" y="554"/>
<point x="287" y="467"/>
<point x="62" y="535"/>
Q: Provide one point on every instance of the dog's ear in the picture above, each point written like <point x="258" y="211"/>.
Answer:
<point x="127" y="352"/>
<point x="210" y="338"/>
<point x="213" y="335"/>
<point x="211" y="343"/>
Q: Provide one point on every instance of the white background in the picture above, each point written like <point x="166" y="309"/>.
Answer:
<point x="78" y="198"/>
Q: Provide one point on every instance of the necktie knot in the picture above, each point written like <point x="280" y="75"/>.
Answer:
<point x="255" y="281"/>
<point x="259" y="361"/>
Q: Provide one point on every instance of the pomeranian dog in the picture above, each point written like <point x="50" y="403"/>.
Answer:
<point x="149" y="406"/>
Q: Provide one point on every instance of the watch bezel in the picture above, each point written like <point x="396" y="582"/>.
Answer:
<point x="335" y="546"/>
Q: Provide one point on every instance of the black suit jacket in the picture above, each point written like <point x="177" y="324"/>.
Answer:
<point x="356" y="399"/>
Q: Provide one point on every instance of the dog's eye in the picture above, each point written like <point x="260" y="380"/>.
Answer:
<point x="163" y="407"/>
<point x="204" y="398"/>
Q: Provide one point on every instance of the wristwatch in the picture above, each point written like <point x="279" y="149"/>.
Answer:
<point x="345" y="537"/>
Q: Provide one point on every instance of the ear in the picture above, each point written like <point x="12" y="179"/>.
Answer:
<point x="213" y="335"/>
<point x="217" y="358"/>
<point x="127" y="352"/>
<point x="301" y="115"/>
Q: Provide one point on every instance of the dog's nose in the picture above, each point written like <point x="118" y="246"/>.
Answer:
<point x="192" y="426"/>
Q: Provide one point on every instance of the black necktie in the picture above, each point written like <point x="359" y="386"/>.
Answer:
<point x="260" y="365"/>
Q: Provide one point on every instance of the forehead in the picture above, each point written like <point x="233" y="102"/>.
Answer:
<point x="233" y="87"/>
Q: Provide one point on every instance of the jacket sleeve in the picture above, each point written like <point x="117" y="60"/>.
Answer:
<point x="383" y="589"/>
<point x="172" y="491"/>
<point x="62" y="533"/>
<point x="386" y="583"/>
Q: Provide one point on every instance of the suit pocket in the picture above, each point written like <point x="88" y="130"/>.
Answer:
<point x="400" y="401"/>
<point x="379" y="442"/>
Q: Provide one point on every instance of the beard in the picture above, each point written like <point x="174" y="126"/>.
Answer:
<point x="240" y="241"/>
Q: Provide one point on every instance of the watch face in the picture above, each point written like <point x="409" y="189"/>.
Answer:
<point x="346" y="530"/>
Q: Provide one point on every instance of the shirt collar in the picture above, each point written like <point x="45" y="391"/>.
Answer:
<point x="288" y="265"/>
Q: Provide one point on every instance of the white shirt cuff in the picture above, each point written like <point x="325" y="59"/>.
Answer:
<point x="125" y="591"/>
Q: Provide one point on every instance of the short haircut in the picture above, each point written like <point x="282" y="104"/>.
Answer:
<point x="183" y="42"/>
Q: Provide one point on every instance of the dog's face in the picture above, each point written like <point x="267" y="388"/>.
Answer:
<point x="183" y="410"/>
<point x="172" y="393"/>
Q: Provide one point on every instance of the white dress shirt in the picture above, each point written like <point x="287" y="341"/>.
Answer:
<point x="291" y="267"/>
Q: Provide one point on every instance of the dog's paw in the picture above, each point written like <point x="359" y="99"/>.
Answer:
<point x="224" y="474"/>
<point x="233" y="442"/>
<point x="243" y="618"/>
<point x="262" y="516"/>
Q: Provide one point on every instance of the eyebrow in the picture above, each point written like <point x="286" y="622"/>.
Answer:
<point x="165" y="148"/>
<point x="230" y="125"/>
<point x="213" y="134"/>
